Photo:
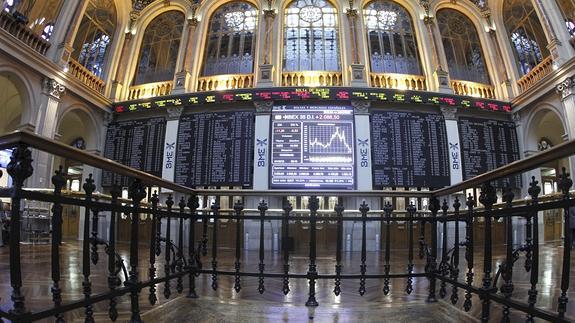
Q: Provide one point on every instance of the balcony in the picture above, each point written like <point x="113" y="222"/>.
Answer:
<point x="85" y="76"/>
<point x="398" y="81"/>
<point x="312" y="78"/>
<point x="535" y="75"/>
<point x="225" y="82"/>
<point x="478" y="90"/>
<point x="149" y="90"/>
<point x="23" y="33"/>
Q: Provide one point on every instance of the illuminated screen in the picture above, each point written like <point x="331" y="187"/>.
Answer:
<point x="312" y="147"/>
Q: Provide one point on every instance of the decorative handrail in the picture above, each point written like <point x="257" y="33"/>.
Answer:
<point x="398" y="81"/>
<point x="150" y="90"/>
<point x="23" y="33"/>
<point x="312" y="78"/>
<point x="86" y="76"/>
<point x="536" y="74"/>
<point x="225" y="82"/>
<point x="479" y="90"/>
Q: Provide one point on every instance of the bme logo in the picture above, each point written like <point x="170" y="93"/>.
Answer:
<point x="170" y="148"/>
<point x="261" y="145"/>
<point x="456" y="162"/>
<point x="363" y="152"/>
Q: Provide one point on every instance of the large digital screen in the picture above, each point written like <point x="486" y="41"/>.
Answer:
<point x="312" y="147"/>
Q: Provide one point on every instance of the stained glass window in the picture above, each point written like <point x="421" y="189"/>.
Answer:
<point x="526" y="34"/>
<point x="231" y="40"/>
<point x="462" y="47"/>
<point x="311" y="40"/>
<point x="39" y="16"/>
<point x="160" y="46"/>
<point x="391" y="39"/>
<point x="94" y="35"/>
<point x="567" y="8"/>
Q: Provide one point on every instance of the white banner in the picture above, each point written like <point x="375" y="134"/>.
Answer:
<point x="363" y="176"/>
<point x="261" y="152"/>
<point x="454" y="148"/>
<point x="169" y="161"/>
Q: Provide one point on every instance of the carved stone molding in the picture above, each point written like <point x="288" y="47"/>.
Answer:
<point x="360" y="107"/>
<point x="174" y="113"/>
<point x="264" y="106"/>
<point x="516" y="117"/>
<point x="566" y="87"/>
<point x="449" y="113"/>
<point x="53" y="88"/>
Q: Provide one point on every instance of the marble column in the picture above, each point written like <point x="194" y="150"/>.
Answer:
<point x="356" y="68"/>
<point x="554" y="26"/>
<point x="183" y="78"/>
<point x="266" y="69"/>
<point x="68" y="23"/>
<point x="441" y="76"/>
<point x="170" y="141"/>
<point x="117" y="84"/>
<point x="567" y="91"/>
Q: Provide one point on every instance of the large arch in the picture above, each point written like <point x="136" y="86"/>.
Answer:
<point x="16" y="101"/>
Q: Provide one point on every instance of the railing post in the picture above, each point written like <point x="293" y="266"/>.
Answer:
<point x="89" y="188"/>
<point x="443" y="267"/>
<point x="152" y="270"/>
<point x="431" y="265"/>
<point x="339" y="212"/>
<point x="180" y="261"/>
<point x="469" y="251"/>
<point x="238" y="208"/>
<point x="19" y="168"/>
<point x="114" y="266"/>
<point x="488" y="197"/>
<point x="363" y="209"/>
<point x="287" y="208"/>
<point x="215" y="211"/>
<point x="564" y="185"/>
<point x="59" y="181"/>
<point x="410" y="213"/>
<point x="167" y="255"/>
<point x="312" y="270"/>
<point x="193" y="204"/>
<point x="94" y="235"/>
<point x="455" y="257"/>
<point x="534" y="190"/>
<point x="387" y="209"/>
<point x="507" y="267"/>
<point x="262" y="207"/>
<point x="137" y="193"/>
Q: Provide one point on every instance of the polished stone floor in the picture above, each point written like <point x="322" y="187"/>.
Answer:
<point x="250" y="306"/>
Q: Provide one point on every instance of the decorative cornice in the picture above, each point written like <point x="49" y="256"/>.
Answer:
<point x="53" y="88"/>
<point x="566" y="87"/>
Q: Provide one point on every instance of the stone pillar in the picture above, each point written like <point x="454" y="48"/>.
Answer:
<point x="356" y="68"/>
<point x="454" y="146"/>
<point x="556" y="31"/>
<point x="363" y="146"/>
<point x="182" y="82"/>
<point x="117" y="84"/>
<point x="170" y="142"/>
<point x="266" y="69"/>
<point x="262" y="144"/>
<point x="440" y="75"/>
<point x="70" y="24"/>
<point x="567" y="91"/>
<point x="505" y="85"/>
<point x="52" y="92"/>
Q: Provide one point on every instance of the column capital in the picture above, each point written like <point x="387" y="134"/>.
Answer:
<point x="174" y="113"/>
<point x="351" y="13"/>
<point x="360" y="106"/>
<point x="449" y="113"/>
<point x="193" y="22"/>
<point x="264" y="107"/>
<point x="566" y="88"/>
<point x="52" y="88"/>
<point x="269" y="14"/>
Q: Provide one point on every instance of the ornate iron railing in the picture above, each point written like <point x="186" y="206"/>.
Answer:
<point x="189" y="259"/>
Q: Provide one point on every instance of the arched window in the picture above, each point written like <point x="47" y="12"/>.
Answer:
<point x="567" y="8"/>
<point x="311" y="37"/>
<point x="526" y="34"/>
<point x="39" y="16"/>
<point x="462" y="47"/>
<point x="94" y="35"/>
<point x="391" y="39"/>
<point x="231" y="40"/>
<point x="160" y="46"/>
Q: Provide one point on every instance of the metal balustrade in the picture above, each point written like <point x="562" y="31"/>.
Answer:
<point x="190" y="259"/>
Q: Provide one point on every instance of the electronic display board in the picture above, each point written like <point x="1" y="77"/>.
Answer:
<point x="312" y="147"/>
<point x="409" y="150"/>
<point x="135" y="143"/>
<point x="215" y="149"/>
<point x="486" y="145"/>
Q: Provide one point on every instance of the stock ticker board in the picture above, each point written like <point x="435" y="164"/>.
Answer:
<point x="137" y="144"/>
<point x="486" y="145"/>
<point x="315" y="93"/>
<point x="215" y="149"/>
<point x="312" y="147"/>
<point x="409" y="150"/>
